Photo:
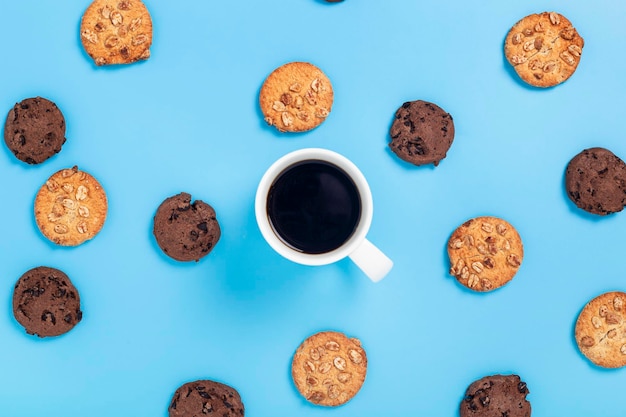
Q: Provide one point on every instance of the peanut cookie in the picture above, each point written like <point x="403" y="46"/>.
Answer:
<point x="70" y="208"/>
<point x="421" y="133"/>
<point x="601" y="330"/>
<point x="329" y="368"/>
<point x="116" y="31"/>
<point x="485" y="253"/>
<point x="46" y="302"/>
<point x="34" y="130"/>
<point x="206" y="397"/>
<point x="296" y="97"/>
<point x="544" y="49"/>
<point x="496" y="396"/>
<point x="595" y="180"/>
<point x="186" y="231"/>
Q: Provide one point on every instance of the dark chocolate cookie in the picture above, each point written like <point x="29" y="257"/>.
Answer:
<point x="205" y="397"/>
<point x="421" y="133"/>
<point x="595" y="180"/>
<point x="46" y="302"/>
<point x="186" y="231"/>
<point x="34" y="130"/>
<point x="496" y="396"/>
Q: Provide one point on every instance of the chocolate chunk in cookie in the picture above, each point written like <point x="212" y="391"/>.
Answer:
<point x="296" y="97"/>
<point x="496" y="396"/>
<point x="116" y="31"/>
<point x="184" y="230"/>
<point x="595" y="180"/>
<point x="206" y="397"/>
<point x="34" y="130"/>
<point x="71" y="207"/>
<point x="544" y="49"/>
<point x="46" y="302"/>
<point x="600" y="330"/>
<point x="485" y="253"/>
<point x="329" y="368"/>
<point x="421" y="133"/>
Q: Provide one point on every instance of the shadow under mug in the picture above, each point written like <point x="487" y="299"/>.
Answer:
<point x="362" y="252"/>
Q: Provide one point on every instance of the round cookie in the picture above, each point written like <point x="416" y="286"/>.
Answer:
<point x="600" y="330"/>
<point x="544" y="49"/>
<point x="496" y="396"/>
<point x="485" y="253"/>
<point x="329" y="368"/>
<point x="296" y="97"/>
<point x="116" y="31"/>
<point x="34" y="130"/>
<point x="595" y="180"/>
<point x="71" y="207"/>
<point x="421" y="133"/>
<point x="206" y="397"/>
<point x="186" y="231"/>
<point x="46" y="302"/>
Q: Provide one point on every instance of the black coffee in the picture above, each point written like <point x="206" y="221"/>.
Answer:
<point x="314" y="206"/>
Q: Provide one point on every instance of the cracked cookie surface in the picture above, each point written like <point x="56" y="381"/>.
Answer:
<point x="485" y="253"/>
<point x="46" y="302"/>
<point x="116" y="31"/>
<point x="71" y="207"/>
<point x="329" y="368"/>
<point x="496" y="396"/>
<point x="296" y="97"/>
<point x="600" y="330"/>
<point x="205" y="397"/>
<point x="544" y="49"/>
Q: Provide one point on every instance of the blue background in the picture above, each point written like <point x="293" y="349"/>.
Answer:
<point x="188" y="120"/>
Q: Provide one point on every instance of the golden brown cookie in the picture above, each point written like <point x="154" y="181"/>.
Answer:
<point x="296" y="97"/>
<point x="544" y="49"/>
<point x="601" y="330"/>
<point x="116" y="31"/>
<point x="329" y="368"/>
<point x="70" y="208"/>
<point x="485" y="253"/>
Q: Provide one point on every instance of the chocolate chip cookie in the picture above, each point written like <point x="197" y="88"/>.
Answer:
<point x="544" y="49"/>
<point x="600" y="330"/>
<point x="206" y="397"/>
<point x="421" y="133"/>
<point x="296" y="97"/>
<point x="595" y="180"/>
<point x="329" y="368"/>
<point x="116" y="31"/>
<point x="186" y="231"/>
<point x="46" y="302"/>
<point x="71" y="207"/>
<point x="34" y="130"/>
<point x="485" y="253"/>
<point x="496" y="396"/>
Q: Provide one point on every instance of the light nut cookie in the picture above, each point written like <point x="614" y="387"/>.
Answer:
<point x="71" y="207"/>
<point x="600" y="330"/>
<point x="544" y="49"/>
<point x="485" y="253"/>
<point x="116" y="31"/>
<point x="329" y="368"/>
<point x="296" y="97"/>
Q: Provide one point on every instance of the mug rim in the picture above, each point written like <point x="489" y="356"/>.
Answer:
<point x="326" y="155"/>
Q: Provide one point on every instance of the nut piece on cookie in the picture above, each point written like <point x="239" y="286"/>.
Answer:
<point x="485" y="253"/>
<point x="329" y="368"/>
<point x="116" y="31"/>
<point x="296" y="97"/>
<point x="71" y="207"/>
<point x="600" y="330"/>
<point x="421" y="133"/>
<point x="34" y="130"/>
<point x="544" y="49"/>
<point x="206" y="397"/>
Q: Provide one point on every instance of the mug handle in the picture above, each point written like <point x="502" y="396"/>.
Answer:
<point x="371" y="260"/>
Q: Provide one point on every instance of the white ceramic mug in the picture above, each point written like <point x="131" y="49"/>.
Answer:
<point x="368" y="257"/>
